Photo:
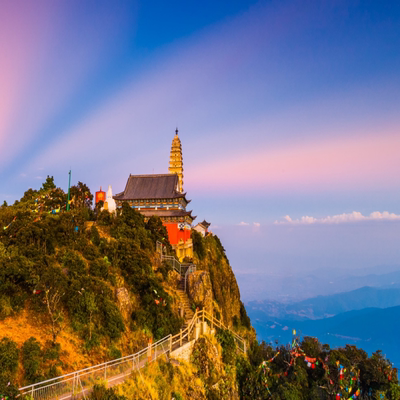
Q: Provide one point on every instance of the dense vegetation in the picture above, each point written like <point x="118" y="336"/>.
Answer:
<point x="65" y="268"/>
<point x="57" y="266"/>
<point x="309" y="370"/>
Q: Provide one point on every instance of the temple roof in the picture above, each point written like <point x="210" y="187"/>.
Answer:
<point x="167" y="213"/>
<point x="161" y="186"/>
<point x="205" y="224"/>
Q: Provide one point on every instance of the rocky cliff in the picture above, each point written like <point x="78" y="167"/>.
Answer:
<point x="211" y="258"/>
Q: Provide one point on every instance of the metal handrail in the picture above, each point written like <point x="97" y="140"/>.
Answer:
<point x="148" y="354"/>
<point x="72" y="380"/>
<point x="175" y="263"/>
<point x="102" y="365"/>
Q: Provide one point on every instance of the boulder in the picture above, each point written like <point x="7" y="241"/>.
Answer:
<point x="173" y="278"/>
<point x="200" y="290"/>
<point x="124" y="302"/>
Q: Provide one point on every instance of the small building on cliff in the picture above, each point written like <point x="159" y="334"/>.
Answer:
<point x="202" y="227"/>
<point x="162" y="195"/>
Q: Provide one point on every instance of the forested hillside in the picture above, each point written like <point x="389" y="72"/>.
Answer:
<point x="82" y="286"/>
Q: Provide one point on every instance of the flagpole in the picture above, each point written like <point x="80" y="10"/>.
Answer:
<point x="69" y="190"/>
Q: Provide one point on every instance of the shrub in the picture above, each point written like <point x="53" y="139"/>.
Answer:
<point x="5" y="307"/>
<point x="100" y="392"/>
<point x="75" y="264"/>
<point x="104" y="218"/>
<point x="244" y="318"/>
<point x="8" y="356"/>
<point x="113" y="323"/>
<point x="94" y="236"/>
<point x="51" y="351"/>
<point x="92" y="342"/>
<point x="99" y="268"/>
<point x="198" y="245"/>
<point x="227" y="342"/>
<point x="115" y="353"/>
<point x="8" y="366"/>
<point x="31" y="356"/>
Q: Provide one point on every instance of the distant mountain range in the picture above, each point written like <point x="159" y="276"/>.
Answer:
<point x="326" y="306"/>
<point x="367" y="317"/>
<point x="288" y="287"/>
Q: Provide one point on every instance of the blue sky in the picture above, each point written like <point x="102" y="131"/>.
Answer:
<point x="285" y="108"/>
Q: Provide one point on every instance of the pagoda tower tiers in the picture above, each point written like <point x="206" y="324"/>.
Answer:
<point x="162" y="195"/>
<point x="176" y="160"/>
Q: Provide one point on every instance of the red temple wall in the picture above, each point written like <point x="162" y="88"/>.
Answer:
<point x="175" y="234"/>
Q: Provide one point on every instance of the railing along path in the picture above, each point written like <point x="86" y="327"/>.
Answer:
<point x="77" y="384"/>
<point x="183" y="269"/>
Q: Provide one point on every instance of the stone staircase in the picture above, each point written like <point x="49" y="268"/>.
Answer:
<point x="185" y="303"/>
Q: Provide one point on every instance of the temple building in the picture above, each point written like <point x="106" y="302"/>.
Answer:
<point x="163" y="195"/>
<point x="202" y="227"/>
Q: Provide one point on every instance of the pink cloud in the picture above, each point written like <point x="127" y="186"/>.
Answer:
<point x="22" y="39"/>
<point x="48" y="55"/>
<point x="353" y="162"/>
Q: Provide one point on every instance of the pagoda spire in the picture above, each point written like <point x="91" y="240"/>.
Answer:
<point x="176" y="160"/>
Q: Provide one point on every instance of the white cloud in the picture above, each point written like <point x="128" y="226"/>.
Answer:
<point x="243" y="224"/>
<point x="256" y="224"/>
<point x="355" y="216"/>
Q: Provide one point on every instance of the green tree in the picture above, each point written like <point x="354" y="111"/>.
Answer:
<point x="198" y="244"/>
<point x="54" y="286"/>
<point x="81" y="196"/>
<point x="31" y="356"/>
<point x="91" y="307"/>
<point x="8" y="366"/>
<point x="227" y="341"/>
<point x="158" y="232"/>
<point x="48" y="184"/>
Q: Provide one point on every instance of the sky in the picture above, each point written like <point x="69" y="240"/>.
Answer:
<point x="288" y="113"/>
